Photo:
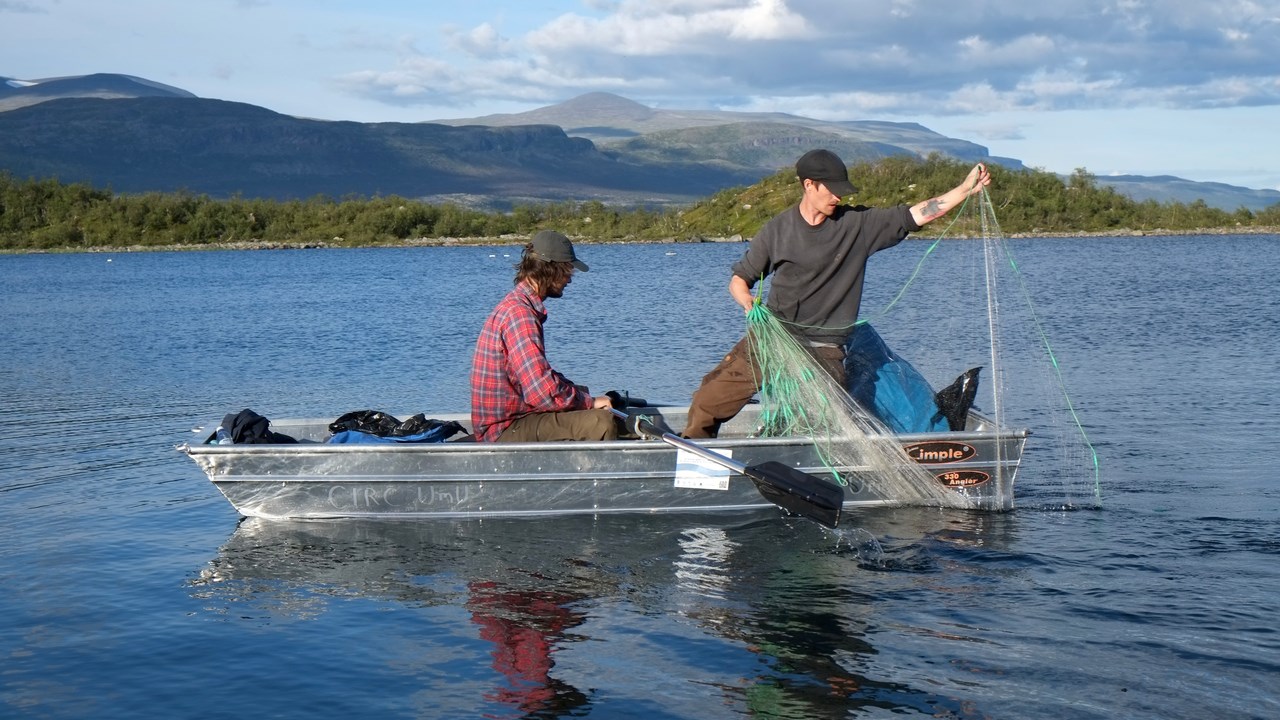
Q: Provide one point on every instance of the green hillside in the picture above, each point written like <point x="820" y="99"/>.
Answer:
<point x="1026" y="202"/>
<point x="747" y="146"/>
<point x="48" y="215"/>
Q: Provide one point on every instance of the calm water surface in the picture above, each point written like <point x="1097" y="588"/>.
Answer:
<point x="132" y="589"/>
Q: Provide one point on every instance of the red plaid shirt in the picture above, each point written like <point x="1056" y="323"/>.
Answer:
<point x="510" y="375"/>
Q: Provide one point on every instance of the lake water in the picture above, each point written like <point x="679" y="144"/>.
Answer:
<point x="132" y="589"/>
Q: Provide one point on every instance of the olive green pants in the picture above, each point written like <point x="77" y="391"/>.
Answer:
<point x="731" y="385"/>
<point x="567" y="425"/>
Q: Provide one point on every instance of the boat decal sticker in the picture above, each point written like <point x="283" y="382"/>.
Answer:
<point x="940" y="451"/>
<point x="963" y="478"/>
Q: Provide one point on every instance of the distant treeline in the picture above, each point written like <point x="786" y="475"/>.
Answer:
<point x="49" y="215"/>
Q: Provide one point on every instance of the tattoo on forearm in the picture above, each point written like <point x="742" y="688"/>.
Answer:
<point x="933" y="208"/>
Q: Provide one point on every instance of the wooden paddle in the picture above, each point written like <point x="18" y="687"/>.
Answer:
<point x="788" y="488"/>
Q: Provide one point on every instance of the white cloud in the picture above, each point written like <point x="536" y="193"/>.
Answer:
<point x="681" y="27"/>
<point x="769" y="20"/>
<point x="833" y="59"/>
<point x="1030" y="49"/>
<point x="483" y="41"/>
<point x="899" y="57"/>
<point x="902" y="8"/>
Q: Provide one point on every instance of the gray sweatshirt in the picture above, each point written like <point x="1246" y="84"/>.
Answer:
<point x="818" y="270"/>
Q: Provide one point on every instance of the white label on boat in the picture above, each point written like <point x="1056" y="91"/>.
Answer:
<point x="695" y="471"/>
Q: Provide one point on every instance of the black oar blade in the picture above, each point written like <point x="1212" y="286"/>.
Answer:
<point x="798" y="492"/>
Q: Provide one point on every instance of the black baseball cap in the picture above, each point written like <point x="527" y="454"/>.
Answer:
<point x="827" y="168"/>
<point x="552" y="246"/>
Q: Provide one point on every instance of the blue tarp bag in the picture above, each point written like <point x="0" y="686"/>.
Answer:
<point x="888" y="386"/>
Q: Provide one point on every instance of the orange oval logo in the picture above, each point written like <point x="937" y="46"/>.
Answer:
<point x="940" y="451"/>
<point x="962" y="478"/>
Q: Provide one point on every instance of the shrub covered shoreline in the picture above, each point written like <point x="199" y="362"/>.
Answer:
<point x="520" y="240"/>
<point x="48" y="216"/>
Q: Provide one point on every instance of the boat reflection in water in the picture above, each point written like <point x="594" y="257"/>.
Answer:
<point x="550" y="616"/>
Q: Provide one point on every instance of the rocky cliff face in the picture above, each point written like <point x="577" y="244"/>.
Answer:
<point x="222" y="148"/>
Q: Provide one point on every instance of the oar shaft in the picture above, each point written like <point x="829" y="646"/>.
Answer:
<point x="788" y="488"/>
<point x="683" y="444"/>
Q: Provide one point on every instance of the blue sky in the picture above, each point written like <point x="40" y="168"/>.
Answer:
<point x="1151" y="87"/>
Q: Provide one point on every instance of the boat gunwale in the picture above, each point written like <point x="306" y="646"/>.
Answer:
<point x="561" y="446"/>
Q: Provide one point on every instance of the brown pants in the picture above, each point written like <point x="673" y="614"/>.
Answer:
<point x="731" y="385"/>
<point x="567" y="425"/>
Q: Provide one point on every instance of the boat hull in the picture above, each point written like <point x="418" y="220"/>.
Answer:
<point x="461" y="479"/>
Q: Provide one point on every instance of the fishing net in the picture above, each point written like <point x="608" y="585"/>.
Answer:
<point x="1029" y="385"/>
<point x="960" y="312"/>
<point x="798" y="397"/>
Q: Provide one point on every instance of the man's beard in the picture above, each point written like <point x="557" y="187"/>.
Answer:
<point x="555" y="288"/>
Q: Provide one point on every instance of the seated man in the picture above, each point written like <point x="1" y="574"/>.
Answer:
<point x="516" y="396"/>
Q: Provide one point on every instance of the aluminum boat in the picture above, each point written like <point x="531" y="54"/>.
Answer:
<point x="462" y="478"/>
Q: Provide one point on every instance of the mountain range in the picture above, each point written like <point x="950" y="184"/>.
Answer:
<point x="134" y="135"/>
<point x="21" y="93"/>
<point x="760" y="141"/>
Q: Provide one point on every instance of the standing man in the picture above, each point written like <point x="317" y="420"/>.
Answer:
<point x="817" y="253"/>
<point x="516" y="396"/>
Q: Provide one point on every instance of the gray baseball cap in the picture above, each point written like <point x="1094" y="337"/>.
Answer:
<point x="552" y="246"/>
